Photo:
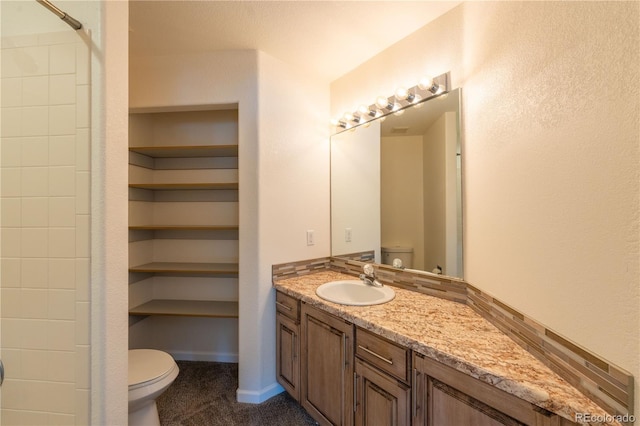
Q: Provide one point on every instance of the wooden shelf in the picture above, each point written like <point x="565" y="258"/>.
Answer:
<point x="184" y="228"/>
<point x="187" y="268"/>
<point x="187" y="308"/>
<point x="184" y="186"/>
<point x="187" y="151"/>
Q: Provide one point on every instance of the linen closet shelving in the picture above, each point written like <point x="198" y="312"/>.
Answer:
<point x="183" y="212"/>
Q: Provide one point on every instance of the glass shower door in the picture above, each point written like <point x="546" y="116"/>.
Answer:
<point x="44" y="218"/>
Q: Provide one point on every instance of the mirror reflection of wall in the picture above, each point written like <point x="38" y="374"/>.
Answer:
<point x="420" y="214"/>
<point x="419" y="193"/>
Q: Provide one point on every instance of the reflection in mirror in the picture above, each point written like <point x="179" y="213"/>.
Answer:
<point x="396" y="188"/>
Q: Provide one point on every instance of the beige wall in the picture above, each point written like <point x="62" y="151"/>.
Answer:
<point x="551" y="165"/>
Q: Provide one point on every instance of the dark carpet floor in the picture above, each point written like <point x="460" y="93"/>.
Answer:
<point x="204" y="394"/>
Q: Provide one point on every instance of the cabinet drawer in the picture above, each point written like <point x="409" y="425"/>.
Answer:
<point x="288" y="306"/>
<point x="385" y="355"/>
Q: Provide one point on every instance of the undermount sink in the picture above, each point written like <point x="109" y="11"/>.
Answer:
<point x="354" y="292"/>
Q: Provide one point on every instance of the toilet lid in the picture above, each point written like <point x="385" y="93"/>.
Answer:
<point x="146" y="365"/>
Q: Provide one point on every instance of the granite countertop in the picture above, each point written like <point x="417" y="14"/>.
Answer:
<point x="455" y="335"/>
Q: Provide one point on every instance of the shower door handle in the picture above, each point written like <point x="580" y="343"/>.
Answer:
<point x="1" y="372"/>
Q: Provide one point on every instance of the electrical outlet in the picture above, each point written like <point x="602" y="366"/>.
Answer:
<point x="310" y="237"/>
<point x="347" y="235"/>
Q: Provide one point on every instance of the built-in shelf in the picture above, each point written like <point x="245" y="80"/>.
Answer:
<point x="184" y="228"/>
<point x="184" y="186"/>
<point x="187" y="151"/>
<point x="187" y="308"/>
<point x="187" y="268"/>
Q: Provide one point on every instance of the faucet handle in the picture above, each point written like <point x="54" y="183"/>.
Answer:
<point x="368" y="269"/>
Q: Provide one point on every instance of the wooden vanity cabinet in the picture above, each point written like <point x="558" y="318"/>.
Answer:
<point x="288" y="344"/>
<point x="382" y="389"/>
<point x="326" y="367"/>
<point x="446" y="397"/>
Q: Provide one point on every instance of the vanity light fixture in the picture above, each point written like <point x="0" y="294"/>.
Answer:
<point x="425" y="89"/>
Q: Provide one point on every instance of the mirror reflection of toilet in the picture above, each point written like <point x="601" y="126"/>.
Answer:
<point x="151" y="372"/>
<point x="405" y="254"/>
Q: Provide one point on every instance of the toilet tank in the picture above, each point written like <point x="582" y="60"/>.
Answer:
<point x="403" y="253"/>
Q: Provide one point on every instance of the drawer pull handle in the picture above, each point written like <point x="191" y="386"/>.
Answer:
<point x="282" y="305"/>
<point x="369" y="351"/>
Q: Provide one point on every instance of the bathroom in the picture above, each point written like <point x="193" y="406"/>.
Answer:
<point x="550" y="173"/>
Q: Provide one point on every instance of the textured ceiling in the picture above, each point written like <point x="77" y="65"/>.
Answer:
<point x="326" y="38"/>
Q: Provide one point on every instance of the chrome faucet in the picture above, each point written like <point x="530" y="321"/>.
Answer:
<point x="369" y="276"/>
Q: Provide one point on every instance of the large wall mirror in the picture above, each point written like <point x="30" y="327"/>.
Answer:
<point x="396" y="188"/>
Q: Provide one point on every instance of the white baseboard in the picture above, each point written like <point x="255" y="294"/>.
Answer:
<point x="204" y="356"/>
<point x="256" y="397"/>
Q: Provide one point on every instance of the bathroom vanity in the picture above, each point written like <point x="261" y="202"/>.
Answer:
<point x="415" y="360"/>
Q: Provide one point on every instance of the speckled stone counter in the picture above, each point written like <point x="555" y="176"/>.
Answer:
<point x="456" y="336"/>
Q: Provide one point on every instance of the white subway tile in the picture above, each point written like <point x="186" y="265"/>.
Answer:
<point x="83" y="330"/>
<point x="83" y="149"/>
<point x="10" y="212"/>
<point x="34" y="60"/>
<point x="62" y="150"/>
<point x="83" y="366"/>
<point x="62" y="120"/>
<point x="63" y="59"/>
<point x="62" y="274"/>
<point x="83" y="110"/>
<point x="35" y="364"/>
<point x="35" y="91"/>
<point x="35" y="121"/>
<point x="11" y="122"/>
<point x="61" y="399"/>
<point x="11" y="242"/>
<point x="62" y="181"/>
<point x="35" y="333"/>
<point x="19" y="41"/>
<point x="83" y="64"/>
<point x="62" y="304"/>
<point x="62" y="242"/>
<point x="11" y="330"/>
<point x="34" y="181"/>
<point x="35" y="151"/>
<point x="10" y="302"/>
<point x="82" y="279"/>
<point x="12" y="358"/>
<point x="11" y="92"/>
<point x="34" y="303"/>
<point x="35" y="242"/>
<point x="61" y="335"/>
<point x="35" y="273"/>
<point x="9" y="271"/>
<point x="61" y="366"/>
<point x="35" y="212"/>
<point x="83" y="197"/>
<point x="10" y="152"/>
<point x="10" y="63"/>
<point x="83" y="403"/>
<point x="62" y="211"/>
<point x="83" y="235"/>
<point x="62" y="89"/>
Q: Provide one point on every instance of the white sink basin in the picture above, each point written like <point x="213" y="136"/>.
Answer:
<point x="354" y="292"/>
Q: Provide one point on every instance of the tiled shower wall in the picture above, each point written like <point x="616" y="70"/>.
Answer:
<point x="44" y="219"/>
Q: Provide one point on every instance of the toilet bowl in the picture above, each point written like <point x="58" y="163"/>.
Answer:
<point x="150" y="373"/>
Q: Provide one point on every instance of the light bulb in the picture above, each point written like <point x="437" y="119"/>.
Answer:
<point x="382" y="102"/>
<point x="348" y="116"/>
<point x="363" y="109"/>
<point x="402" y="93"/>
<point x="425" y="83"/>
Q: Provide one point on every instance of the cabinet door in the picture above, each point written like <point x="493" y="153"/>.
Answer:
<point x="443" y="396"/>
<point x="380" y="399"/>
<point x="327" y="367"/>
<point x="288" y="361"/>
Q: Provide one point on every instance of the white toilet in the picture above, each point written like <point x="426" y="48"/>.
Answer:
<point x="405" y="254"/>
<point x="150" y="373"/>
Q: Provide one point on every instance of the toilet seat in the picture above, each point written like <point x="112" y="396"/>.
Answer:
<point x="148" y="366"/>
